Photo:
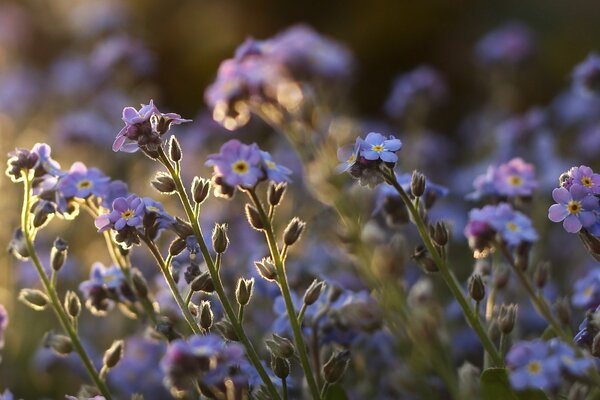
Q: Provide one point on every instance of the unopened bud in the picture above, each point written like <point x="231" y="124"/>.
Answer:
<point x="72" y="304"/>
<point x="276" y="192"/>
<point x="293" y="231"/>
<point x="206" y="315"/>
<point x="563" y="310"/>
<point x="174" y="149"/>
<point x="61" y="344"/>
<point x="334" y="293"/>
<point x="166" y="329"/>
<point x="476" y="287"/>
<point x="177" y="246"/>
<point x="182" y="229"/>
<point x="280" y="346"/>
<point x="336" y="367"/>
<point x="226" y="330"/>
<point x="280" y="366"/>
<point x="253" y="217"/>
<point x="18" y="245"/>
<point x="501" y="277"/>
<point x="313" y="292"/>
<point x="203" y="283"/>
<point x="417" y="184"/>
<point x="139" y="284"/>
<point x="164" y="183"/>
<point x="219" y="238"/>
<point x="541" y="274"/>
<point x="440" y="234"/>
<point x="507" y="318"/>
<point x="494" y="330"/>
<point x="200" y="189"/>
<point x="58" y="254"/>
<point x="34" y="298"/>
<point x="266" y="269"/>
<point x="42" y="210"/>
<point x="113" y="355"/>
<point x="150" y="153"/>
<point x="243" y="292"/>
<point x="422" y="258"/>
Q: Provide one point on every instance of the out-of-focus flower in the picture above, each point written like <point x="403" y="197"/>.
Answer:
<point x="570" y="363"/>
<point x="586" y="75"/>
<point x="422" y="86"/>
<point x="237" y="164"/>
<point x="105" y="287"/>
<point x="511" y="44"/>
<point x="275" y="172"/>
<point x="3" y="324"/>
<point x="575" y="208"/>
<point x="588" y="329"/>
<point x="586" y="293"/>
<point x="82" y="182"/>
<point x="348" y="155"/>
<point x="515" y="178"/>
<point x="532" y="366"/>
<point x="121" y="49"/>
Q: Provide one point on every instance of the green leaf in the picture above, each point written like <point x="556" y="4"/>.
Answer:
<point x="495" y="386"/>
<point x="336" y="392"/>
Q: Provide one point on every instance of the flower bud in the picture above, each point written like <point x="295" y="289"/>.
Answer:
<point x="34" y="298"/>
<point x="219" y="238"/>
<point x="113" y="355"/>
<point x="226" y="330"/>
<point x="18" y="245"/>
<point x="174" y="149"/>
<point x="440" y="234"/>
<point x="494" y="330"/>
<point x="334" y="294"/>
<point x="177" y="246"/>
<point x="501" y="277"/>
<point x="164" y="183"/>
<point x="417" y="184"/>
<point x="166" y="329"/>
<point x="276" y="192"/>
<point x="280" y="366"/>
<point x="61" y="344"/>
<point x="540" y="276"/>
<point x="243" y="292"/>
<point x="507" y="318"/>
<point x="253" y="217"/>
<point x="563" y="310"/>
<point x="266" y="269"/>
<point x="203" y="283"/>
<point x="58" y="254"/>
<point x="336" y="367"/>
<point x="72" y="304"/>
<point x="182" y="229"/>
<point x="280" y="346"/>
<point x="139" y="283"/>
<point x="293" y="231"/>
<point x="200" y="189"/>
<point x="150" y="153"/>
<point x="476" y="287"/>
<point x="424" y="261"/>
<point x="206" y="315"/>
<point x="313" y="292"/>
<point x="42" y="210"/>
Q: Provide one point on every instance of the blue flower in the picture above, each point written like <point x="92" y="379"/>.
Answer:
<point x="586" y="75"/>
<point x="82" y="182"/>
<point x="513" y="226"/>
<point x="570" y="363"/>
<point x="532" y="366"/>
<point x="348" y="155"/>
<point x="237" y="164"/>
<point x="3" y="324"/>
<point x="377" y="146"/>
<point x="105" y="287"/>
<point x="587" y="291"/>
<point x="275" y="172"/>
<point x="126" y="212"/>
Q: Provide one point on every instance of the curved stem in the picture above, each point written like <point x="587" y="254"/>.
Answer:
<point x="53" y="295"/>
<point x="214" y="273"/>
<point x="285" y="291"/>
<point x="446" y="272"/>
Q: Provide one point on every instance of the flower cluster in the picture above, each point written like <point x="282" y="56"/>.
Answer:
<point x="577" y="205"/>
<point x="242" y="165"/>
<point x="501" y="221"/>
<point x="105" y="287"/>
<point x="515" y="178"/>
<point x="363" y="159"/>
<point x="207" y="360"/>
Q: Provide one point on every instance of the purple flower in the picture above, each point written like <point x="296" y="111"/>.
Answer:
<point x="510" y="44"/>
<point x="6" y="395"/>
<point x="126" y="212"/>
<point x="141" y="129"/>
<point x="3" y="324"/>
<point x="377" y="146"/>
<point x="582" y="176"/>
<point x="46" y="163"/>
<point x="587" y="291"/>
<point x="575" y="208"/>
<point x="237" y="164"/>
<point x="586" y="75"/>
<point x="570" y="363"/>
<point x="275" y="172"/>
<point x="105" y="287"/>
<point x="512" y="179"/>
<point x="82" y="182"/>
<point x="513" y="226"/>
<point x="532" y="366"/>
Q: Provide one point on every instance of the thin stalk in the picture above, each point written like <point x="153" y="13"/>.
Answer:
<point x="284" y="388"/>
<point x="172" y="285"/>
<point x="446" y="272"/>
<point x="301" y="313"/>
<point x="188" y="297"/>
<point x="324" y="390"/>
<point x="53" y="295"/>
<point x="241" y="314"/>
<point x="285" y="291"/>
<point x="219" y="289"/>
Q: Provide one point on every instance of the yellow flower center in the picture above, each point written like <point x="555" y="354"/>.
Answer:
<point x="534" y="367"/>
<point x="574" y="207"/>
<point x="515" y="180"/>
<point x="127" y="214"/>
<point x="588" y="291"/>
<point x="351" y="159"/>
<point x="240" y="167"/>
<point x="84" y="184"/>
<point x="378" y="148"/>
<point x="511" y="226"/>
<point x="271" y="164"/>
<point x="586" y="181"/>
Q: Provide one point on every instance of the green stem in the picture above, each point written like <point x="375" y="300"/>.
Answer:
<point x="446" y="272"/>
<point x="53" y="295"/>
<point x="284" y="388"/>
<point x="188" y="297"/>
<point x="301" y="313"/>
<point x="227" y="307"/>
<point x="172" y="285"/>
<point x="241" y="314"/>
<point x="285" y="291"/>
<point x="325" y="389"/>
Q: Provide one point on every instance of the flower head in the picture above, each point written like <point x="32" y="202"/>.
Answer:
<point x="586" y="75"/>
<point x="379" y="147"/>
<point x="238" y="164"/>
<point x="510" y="44"/>
<point x="515" y="178"/>
<point x="82" y="182"/>
<point x="348" y="155"/>
<point x="575" y="208"/>
<point x="275" y="172"/>
<point x="586" y="292"/>
<point x="582" y="176"/>
<point x="532" y="366"/>
<point x="105" y="287"/>
<point x="126" y="217"/>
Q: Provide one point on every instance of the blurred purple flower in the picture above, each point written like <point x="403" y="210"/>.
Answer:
<point x="586" y="75"/>
<point x="275" y="172"/>
<point x="586" y="292"/>
<point x="510" y="44"/>
<point x="82" y="182"/>
<point x="3" y="324"/>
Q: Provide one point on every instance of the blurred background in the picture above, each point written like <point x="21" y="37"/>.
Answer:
<point x="67" y="69"/>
